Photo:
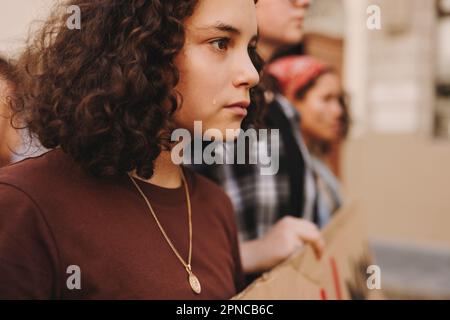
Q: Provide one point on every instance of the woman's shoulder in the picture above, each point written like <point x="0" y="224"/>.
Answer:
<point x="37" y="172"/>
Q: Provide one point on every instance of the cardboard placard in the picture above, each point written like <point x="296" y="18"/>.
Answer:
<point x="341" y="273"/>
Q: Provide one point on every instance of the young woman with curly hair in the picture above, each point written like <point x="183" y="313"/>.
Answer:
<point x="106" y="214"/>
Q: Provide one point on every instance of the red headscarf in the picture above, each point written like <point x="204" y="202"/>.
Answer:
<point x="294" y="72"/>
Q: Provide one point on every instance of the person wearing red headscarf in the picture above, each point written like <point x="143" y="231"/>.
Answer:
<point x="314" y="89"/>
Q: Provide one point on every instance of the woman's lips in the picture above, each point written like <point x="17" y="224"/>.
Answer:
<point x="239" y="108"/>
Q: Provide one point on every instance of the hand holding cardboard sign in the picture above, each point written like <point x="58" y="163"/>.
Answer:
<point x="342" y="272"/>
<point x="285" y="238"/>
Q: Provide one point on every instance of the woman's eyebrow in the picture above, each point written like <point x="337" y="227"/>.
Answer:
<point x="224" y="27"/>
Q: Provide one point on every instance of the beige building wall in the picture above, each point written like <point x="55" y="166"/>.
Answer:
<point x="392" y="163"/>
<point x="395" y="167"/>
<point x="15" y="20"/>
<point x="402" y="184"/>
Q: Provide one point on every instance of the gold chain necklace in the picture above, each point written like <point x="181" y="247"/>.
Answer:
<point x="193" y="280"/>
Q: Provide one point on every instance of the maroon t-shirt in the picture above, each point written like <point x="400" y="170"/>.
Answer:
<point x="55" y="218"/>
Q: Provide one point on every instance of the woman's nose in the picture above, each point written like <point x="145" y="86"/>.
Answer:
<point x="247" y="74"/>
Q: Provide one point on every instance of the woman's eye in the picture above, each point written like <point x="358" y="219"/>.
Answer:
<point x="221" y="44"/>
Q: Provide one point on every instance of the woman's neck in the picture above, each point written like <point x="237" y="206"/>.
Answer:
<point x="166" y="174"/>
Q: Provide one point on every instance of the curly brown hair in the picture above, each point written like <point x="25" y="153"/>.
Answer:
<point x="8" y="73"/>
<point x="8" y="86"/>
<point x="106" y="95"/>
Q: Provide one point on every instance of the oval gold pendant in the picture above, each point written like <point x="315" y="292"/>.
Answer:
<point x="195" y="284"/>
